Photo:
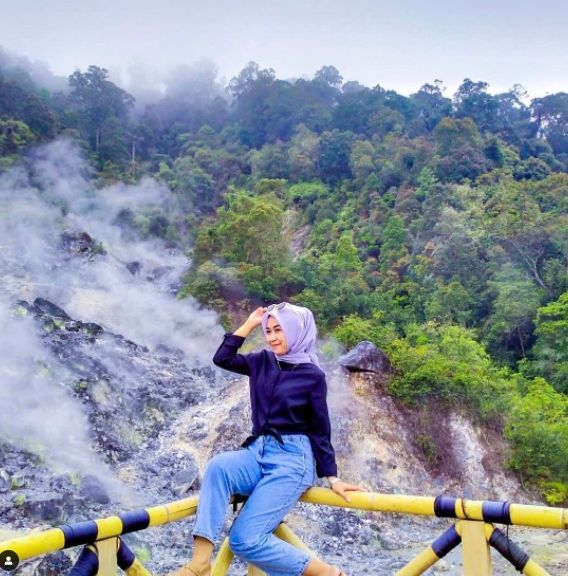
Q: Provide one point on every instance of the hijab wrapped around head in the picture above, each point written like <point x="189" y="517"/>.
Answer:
<point x="299" y="327"/>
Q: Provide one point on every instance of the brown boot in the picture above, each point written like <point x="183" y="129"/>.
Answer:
<point x="316" y="567"/>
<point x="200" y="564"/>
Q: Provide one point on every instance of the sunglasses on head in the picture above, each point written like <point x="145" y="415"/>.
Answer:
<point x="272" y="307"/>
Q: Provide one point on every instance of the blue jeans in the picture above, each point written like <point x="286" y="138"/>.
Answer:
<point x="273" y="476"/>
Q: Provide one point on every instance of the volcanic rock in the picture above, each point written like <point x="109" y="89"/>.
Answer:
<point x="366" y="357"/>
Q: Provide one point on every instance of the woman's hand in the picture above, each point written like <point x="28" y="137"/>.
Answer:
<point x="255" y="319"/>
<point x="342" y="488"/>
<point x="252" y="322"/>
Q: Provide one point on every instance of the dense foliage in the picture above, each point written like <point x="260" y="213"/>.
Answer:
<point x="436" y="227"/>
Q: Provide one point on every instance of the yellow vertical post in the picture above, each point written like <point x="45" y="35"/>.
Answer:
<point x="107" y="550"/>
<point x="476" y="552"/>
<point x="222" y="560"/>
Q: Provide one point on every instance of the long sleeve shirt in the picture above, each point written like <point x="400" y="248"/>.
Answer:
<point x="285" y="398"/>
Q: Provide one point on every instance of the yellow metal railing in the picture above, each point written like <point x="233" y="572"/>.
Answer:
<point x="474" y="530"/>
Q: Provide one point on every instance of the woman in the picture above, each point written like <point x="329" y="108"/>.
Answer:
<point x="276" y="465"/>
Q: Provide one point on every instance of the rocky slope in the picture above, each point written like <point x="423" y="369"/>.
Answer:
<point x="156" y="429"/>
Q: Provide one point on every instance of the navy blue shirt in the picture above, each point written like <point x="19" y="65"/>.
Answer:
<point x="285" y="398"/>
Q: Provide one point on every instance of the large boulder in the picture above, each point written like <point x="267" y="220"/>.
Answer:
<point x="366" y="357"/>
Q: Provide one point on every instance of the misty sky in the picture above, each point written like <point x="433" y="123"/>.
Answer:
<point x="395" y="43"/>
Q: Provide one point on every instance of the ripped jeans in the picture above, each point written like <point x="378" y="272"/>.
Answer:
<point x="273" y="476"/>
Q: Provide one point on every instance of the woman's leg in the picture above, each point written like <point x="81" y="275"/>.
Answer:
<point x="286" y="476"/>
<point x="226" y="474"/>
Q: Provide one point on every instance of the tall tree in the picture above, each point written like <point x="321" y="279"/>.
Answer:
<point x="100" y="104"/>
<point x="473" y="101"/>
<point x="551" y="117"/>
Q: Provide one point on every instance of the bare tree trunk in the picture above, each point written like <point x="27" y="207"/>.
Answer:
<point x="520" y="335"/>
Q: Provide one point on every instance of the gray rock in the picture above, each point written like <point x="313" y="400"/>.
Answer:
<point x="366" y="357"/>
<point x="54" y="565"/>
<point x="185" y="480"/>
<point x="50" y="507"/>
<point x="78" y="243"/>
<point x="48" y="308"/>
<point x="93" y="490"/>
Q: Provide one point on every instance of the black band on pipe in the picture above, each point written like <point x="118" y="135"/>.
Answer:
<point x="80" y="533"/>
<point x="135" y="520"/>
<point x="445" y="507"/>
<point x="509" y="550"/>
<point x="446" y="542"/>
<point x="499" y="512"/>
<point x="87" y="564"/>
<point x="124" y="557"/>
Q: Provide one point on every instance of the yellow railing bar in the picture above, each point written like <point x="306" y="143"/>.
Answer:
<point x="521" y="514"/>
<point x="536" y="516"/>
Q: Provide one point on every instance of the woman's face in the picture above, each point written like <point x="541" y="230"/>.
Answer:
<point x="275" y="337"/>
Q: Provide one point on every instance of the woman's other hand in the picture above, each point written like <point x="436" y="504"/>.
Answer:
<point x="343" y="488"/>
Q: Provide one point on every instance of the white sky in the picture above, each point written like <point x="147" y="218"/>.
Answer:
<point x="395" y="43"/>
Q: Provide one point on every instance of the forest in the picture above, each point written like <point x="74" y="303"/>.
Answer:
<point x="435" y="226"/>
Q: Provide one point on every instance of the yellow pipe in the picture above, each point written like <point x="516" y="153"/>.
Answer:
<point x="469" y="509"/>
<point x="284" y="532"/>
<point x="35" y="544"/>
<point x="419" y="564"/>
<point x="533" y="569"/>
<point x="372" y="501"/>
<point x="223" y="560"/>
<point x="137" y="569"/>
<point x="173" y="511"/>
<point x="108" y="527"/>
<point x="476" y="553"/>
<point x="539" y="516"/>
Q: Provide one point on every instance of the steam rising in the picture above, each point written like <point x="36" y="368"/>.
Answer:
<point x="49" y="194"/>
<point x="37" y="412"/>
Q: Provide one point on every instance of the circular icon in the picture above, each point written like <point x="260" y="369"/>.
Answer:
<point x="9" y="560"/>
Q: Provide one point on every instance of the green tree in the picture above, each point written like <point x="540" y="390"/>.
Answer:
<point x="333" y="162"/>
<point x="447" y="362"/>
<point x="14" y="136"/>
<point x="303" y="154"/>
<point x="537" y="428"/>
<point x="511" y="324"/>
<point x="99" y="103"/>
<point x="393" y="247"/>
<point x="450" y="303"/>
<point x="431" y="105"/>
<point x="473" y="101"/>
<point x="195" y="186"/>
<point x="551" y="113"/>
<point x="550" y="352"/>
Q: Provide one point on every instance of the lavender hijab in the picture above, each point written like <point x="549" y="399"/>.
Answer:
<point x="300" y="330"/>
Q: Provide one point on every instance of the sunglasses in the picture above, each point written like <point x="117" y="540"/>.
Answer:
<point x="272" y="307"/>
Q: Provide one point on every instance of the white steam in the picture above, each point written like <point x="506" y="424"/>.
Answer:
<point x="51" y="194"/>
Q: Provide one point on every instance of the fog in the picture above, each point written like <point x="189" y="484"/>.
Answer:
<point x="400" y="46"/>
